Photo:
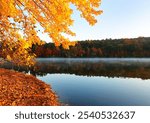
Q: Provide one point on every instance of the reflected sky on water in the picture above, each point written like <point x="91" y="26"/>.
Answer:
<point x="81" y="90"/>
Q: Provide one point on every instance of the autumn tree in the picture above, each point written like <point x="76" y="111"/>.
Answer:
<point x="19" y="20"/>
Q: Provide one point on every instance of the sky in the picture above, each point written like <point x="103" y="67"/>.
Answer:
<point x="120" y="19"/>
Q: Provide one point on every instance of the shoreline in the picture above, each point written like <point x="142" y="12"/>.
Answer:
<point x="19" y="89"/>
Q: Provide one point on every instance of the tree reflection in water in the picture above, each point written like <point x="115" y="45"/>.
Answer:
<point x="125" y="68"/>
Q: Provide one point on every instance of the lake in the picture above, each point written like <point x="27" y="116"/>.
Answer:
<point x="95" y="81"/>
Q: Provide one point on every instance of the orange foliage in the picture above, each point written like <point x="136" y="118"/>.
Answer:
<point x="18" y="20"/>
<point x="19" y="89"/>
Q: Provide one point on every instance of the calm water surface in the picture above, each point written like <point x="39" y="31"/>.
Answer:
<point x="103" y="82"/>
<point x="81" y="90"/>
<point x="96" y="81"/>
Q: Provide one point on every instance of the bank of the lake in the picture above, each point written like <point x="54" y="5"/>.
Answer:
<point x="19" y="89"/>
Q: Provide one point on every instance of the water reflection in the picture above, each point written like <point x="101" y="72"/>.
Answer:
<point x="131" y="68"/>
<point x="99" y="91"/>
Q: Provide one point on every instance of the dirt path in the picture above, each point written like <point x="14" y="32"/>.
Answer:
<point x="19" y="89"/>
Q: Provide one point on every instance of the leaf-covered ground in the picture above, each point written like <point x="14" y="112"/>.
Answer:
<point x="19" y="89"/>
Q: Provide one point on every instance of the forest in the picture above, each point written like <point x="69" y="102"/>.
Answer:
<point x="135" y="47"/>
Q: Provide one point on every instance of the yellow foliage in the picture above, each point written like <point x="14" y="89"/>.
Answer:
<point x="8" y="58"/>
<point x="53" y="15"/>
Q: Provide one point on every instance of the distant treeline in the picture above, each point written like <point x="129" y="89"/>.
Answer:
<point x="137" y="47"/>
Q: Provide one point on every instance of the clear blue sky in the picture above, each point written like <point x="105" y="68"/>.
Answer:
<point x="120" y="19"/>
